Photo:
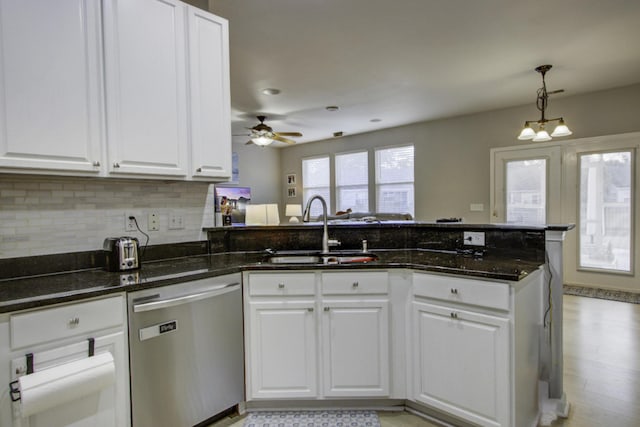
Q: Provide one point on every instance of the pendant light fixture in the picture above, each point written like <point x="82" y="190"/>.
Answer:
<point x="541" y="134"/>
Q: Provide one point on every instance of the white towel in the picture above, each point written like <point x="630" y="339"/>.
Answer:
<point x="64" y="383"/>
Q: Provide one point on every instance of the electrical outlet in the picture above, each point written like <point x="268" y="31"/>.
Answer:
<point x="176" y="221"/>
<point x="129" y="224"/>
<point x="154" y="222"/>
<point x="473" y="238"/>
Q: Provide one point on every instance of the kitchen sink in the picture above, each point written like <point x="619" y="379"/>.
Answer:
<point x="337" y="257"/>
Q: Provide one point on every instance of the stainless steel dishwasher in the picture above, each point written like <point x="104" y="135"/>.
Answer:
<point x="186" y="351"/>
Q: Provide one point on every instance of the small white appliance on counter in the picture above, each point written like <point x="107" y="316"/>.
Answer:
<point x="186" y="351"/>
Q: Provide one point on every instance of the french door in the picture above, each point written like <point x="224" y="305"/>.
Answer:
<point x="588" y="182"/>
<point x="525" y="186"/>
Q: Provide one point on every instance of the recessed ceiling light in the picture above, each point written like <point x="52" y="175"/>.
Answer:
<point x="375" y="120"/>
<point x="332" y="108"/>
<point x="271" y="91"/>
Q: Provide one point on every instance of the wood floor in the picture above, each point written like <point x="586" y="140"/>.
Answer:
<point x="601" y="367"/>
<point x="601" y="363"/>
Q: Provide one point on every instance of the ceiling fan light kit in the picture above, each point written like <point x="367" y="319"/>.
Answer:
<point x="263" y="135"/>
<point x="541" y="135"/>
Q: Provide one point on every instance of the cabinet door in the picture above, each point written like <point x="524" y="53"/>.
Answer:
<point x="355" y="346"/>
<point x="209" y="95"/>
<point x="107" y="408"/>
<point x="50" y="80"/>
<point x="282" y="350"/>
<point x="145" y="65"/>
<point x="461" y="363"/>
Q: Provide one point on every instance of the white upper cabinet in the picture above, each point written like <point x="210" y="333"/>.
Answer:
<point x="145" y="71"/>
<point x="50" y="86"/>
<point x="209" y="95"/>
<point x="132" y="88"/>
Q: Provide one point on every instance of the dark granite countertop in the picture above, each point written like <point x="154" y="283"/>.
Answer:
<point x="37" y="291"/>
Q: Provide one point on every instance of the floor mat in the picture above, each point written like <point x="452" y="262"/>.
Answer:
<point x="312" y="419"/>
<point x="602" y="294"/>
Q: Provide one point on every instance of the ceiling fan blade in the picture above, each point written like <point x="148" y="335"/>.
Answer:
<point x="277" y="137"/>
<point x="288" y="133"/>
<point x="249" y="142"/>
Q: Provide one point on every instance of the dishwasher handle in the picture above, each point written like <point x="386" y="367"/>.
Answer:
<point x="172" y="302"/>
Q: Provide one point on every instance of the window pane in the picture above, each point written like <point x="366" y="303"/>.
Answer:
<point x="526" y="191"/>
<point x="605" y="211"/>
<point x="395" y="198"/>
<point x="352" y="175"/>
<point x="394" y="165"/>
<point x="315" y="172"/>
<point x="315" y="180"/>
<point x="394" y="180"/>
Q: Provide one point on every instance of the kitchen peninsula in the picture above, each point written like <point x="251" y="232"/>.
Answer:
<point x="424" y="281"/>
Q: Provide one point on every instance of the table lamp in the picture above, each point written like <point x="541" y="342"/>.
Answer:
<point x="293" y="211"/>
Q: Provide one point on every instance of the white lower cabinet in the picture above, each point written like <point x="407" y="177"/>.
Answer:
<point x="461" y="362"/>
<point x="295" y="351"/>
<point x="475" y="348"/>
<point x="355" y="348"/>
<point x="56" y="336"/>
<point x="459" y="348"/>
<point x="283" y="349"/>
<point x="355" y="334"/>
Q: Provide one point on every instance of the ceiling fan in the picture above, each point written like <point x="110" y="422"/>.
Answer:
<point x="262" y="134"/>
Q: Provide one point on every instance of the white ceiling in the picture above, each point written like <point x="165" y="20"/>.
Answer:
<point x="406" y="61"/>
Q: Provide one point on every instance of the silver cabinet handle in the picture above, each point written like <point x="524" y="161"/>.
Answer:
<point x="454" y="315"/>
<point x="73" y="322"/>
<point x="156" y="305"/>
<point x="454" y="291"/>
<point x="116" y="165"/>
<point x="96" y="163"/>
<point x="355" y="284"/>
<point x="310" y="309"/>
<point x="199" y="170"/>
<point x="280" y="285"/>
<point x="327" y="309"/>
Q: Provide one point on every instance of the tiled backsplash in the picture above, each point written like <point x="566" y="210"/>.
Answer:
<point x="43" y="215"/>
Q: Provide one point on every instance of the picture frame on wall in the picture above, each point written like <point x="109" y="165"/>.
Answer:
<point x="291" y="192"/>
<point x="291" y="179"/>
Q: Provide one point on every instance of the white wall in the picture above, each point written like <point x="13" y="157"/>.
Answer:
<point x="452" y="155"/>
<point x="260" y="170"/>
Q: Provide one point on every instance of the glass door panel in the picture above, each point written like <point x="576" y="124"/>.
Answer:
<point x="605" y="215"/>
<point x="526" y="191"/>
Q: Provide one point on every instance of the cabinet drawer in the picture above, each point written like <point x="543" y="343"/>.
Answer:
<point x="282" y="284"/>
<point x="52" y="324"/>
<point x="355" y="282"/>
<point x="467" y="291"/>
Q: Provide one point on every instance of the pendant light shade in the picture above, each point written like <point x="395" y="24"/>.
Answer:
<point x="542" y="100"/>
<point x="527" y="133"/>
<point x="561" y="130"/>
<point x="542" y="136"/>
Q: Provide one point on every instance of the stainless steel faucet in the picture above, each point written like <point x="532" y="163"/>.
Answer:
<point x="325" y="233"/>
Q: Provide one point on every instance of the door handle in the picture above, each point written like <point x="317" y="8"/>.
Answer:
<point x="172" y="302"/>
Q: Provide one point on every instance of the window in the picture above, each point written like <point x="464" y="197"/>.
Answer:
<point x="315" y="181"/>
<point x="526" y="191"/>
<point x="394" y="180"/>
<point x="352" y="181"/>
<point x="605" y="211"/>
